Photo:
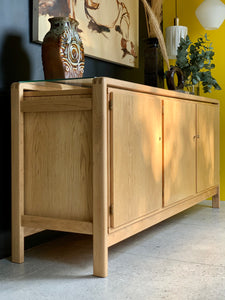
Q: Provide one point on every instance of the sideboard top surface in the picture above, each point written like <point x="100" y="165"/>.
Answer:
<point x="71" y="85"/>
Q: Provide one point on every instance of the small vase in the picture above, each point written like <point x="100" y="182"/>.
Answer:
<point x="153" y="63"/>
<point x="194" y="89"/>
<point x="62" y="50"/>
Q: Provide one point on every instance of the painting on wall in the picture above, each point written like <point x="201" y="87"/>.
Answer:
<point x="108" y="28"/>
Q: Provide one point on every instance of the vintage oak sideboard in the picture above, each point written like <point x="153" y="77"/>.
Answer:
<point x="108" y="158"/>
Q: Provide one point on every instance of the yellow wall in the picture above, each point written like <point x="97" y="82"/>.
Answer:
<point x="186" y="14"/>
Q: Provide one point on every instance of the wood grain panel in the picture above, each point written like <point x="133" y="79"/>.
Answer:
<point x="179" y="150"/>
<point x="58" y="165"/>
<point x="208" y="146"/>
<point x="29" y="231"/>
<point x="71" y="90"/>
<point x="48" y="85"/>
<point x="136" y="131"/>
<point x="57" y="224"/>
<point x="61" y="103"/>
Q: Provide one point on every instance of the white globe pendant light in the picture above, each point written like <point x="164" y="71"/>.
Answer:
<point x="174" y="35"/>
<point x="211" y="14"/>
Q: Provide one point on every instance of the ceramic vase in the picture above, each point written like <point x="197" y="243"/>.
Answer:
<point x="62" y="50"/>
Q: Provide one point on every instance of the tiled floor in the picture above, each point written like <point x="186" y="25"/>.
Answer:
<point x="181" y="258"/>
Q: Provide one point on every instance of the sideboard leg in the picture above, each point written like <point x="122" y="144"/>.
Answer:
<point x="100" y="257"/>
<point x="100" y="246"/>
<point x="17" y="151"/>
<point x="100" y="179"/>
<point x="216" y="199"/>
<point x="17" y="244"/>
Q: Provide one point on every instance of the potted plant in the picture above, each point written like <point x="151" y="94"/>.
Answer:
<point x="195" y="61"/>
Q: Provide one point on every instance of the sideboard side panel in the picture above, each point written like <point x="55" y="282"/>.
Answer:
<point x="58" y="165"/>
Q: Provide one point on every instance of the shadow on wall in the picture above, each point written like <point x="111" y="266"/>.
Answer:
<point x="5" y="174"/>
<point x="14" y="60"/>
<point x="15" y="66"/>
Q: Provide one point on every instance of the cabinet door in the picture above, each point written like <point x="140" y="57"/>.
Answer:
<point x="136" y="155"/>
<point x="179" y="150"/>
<point x="207" y="146"/>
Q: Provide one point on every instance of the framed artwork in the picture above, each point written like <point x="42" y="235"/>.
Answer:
<point x="108" y="28"/>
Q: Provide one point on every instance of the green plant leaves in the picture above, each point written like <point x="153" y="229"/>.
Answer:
<point x="194" y="59"/>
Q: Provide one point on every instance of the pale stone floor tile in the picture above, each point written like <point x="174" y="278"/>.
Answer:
<point x="178" y="259"/>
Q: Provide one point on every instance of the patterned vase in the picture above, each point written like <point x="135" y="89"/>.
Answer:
<point x="62" y="50"/>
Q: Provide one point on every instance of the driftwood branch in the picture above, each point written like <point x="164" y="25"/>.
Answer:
<point x="153" y="25"/>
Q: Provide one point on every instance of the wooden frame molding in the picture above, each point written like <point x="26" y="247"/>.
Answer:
<point x="141" y="224"/>
<point x="57" y="224"/>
